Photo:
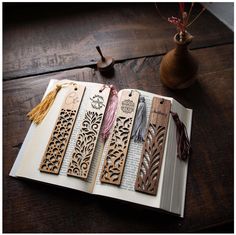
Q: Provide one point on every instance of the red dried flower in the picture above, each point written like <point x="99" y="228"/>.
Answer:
<point x="182" y="23"/>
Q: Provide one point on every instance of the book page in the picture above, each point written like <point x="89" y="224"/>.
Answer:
<point x="175" y="170"/>
<point x="33" y="148"/>
<point x="181" y="167"/>
<point x="20" y="156"/>
<point x="126" y="190"/>
<point x="29" y="158"/>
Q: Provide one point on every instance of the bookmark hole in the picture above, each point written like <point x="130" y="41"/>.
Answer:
<point x="101" y="90"/>
<point x="162" y="101"/>
<point x="75" y="88"/>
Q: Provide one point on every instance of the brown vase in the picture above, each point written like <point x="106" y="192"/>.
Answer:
<point x="178" y="67"/>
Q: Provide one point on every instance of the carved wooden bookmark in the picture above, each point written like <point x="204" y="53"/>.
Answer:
<point x="153" y="149"/>
<point x="88" y="134"/>
<point x="56" y="148"/>
<point x="119" y="143"/>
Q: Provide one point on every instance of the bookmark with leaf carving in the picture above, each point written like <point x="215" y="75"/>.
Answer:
<point x="56" y="148"/>
<point x="151" y="159"/>
<point x="87" y="138"/>
<point x="114" y="162"/>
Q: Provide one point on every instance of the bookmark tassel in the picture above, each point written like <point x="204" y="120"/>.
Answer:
<point x="183" y="143"/>
<point x="38" y="113"/>
<point x="140" y="121"/>
<point x="109" y="117"/>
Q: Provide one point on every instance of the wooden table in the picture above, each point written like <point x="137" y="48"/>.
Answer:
<point x="44" y="41"/>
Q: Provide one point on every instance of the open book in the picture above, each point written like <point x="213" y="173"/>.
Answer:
<point x="173" y="176"/>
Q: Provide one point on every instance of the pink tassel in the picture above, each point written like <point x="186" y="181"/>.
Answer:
<point x="109" y="117"/>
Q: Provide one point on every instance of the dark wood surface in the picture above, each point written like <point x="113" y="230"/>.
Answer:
<point x="34" y="207"/>
<point x="51" y="38"/>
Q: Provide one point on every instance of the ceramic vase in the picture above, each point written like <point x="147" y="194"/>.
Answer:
<point x="179" y="67"/>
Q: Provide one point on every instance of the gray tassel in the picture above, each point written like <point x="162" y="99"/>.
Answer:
<point x="140" y="121"/>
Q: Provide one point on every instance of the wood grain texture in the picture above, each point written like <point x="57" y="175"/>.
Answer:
<point x="209" y="199"/>
<point x="88" y="134"/>
<point x="114" y="162"/>
<point x="56" y="148"/>
<point x="39" y="38"/>
<point x="150" y="164"/>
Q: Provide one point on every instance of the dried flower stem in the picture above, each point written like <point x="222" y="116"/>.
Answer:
<point x="190" y="11"/>
<point x="159" y="12"/>
<point x="181" y="22"/>
<point x="203" y="9"/>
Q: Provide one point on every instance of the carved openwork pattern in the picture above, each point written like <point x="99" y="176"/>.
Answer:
<point x="149" y="170"/>
<point x="151" y="159"/>
<point x="54" y="154"/>
<point x="85" y="145"/>
<point x="115" y="159"/>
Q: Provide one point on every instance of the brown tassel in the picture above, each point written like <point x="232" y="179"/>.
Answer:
<point x="38" y="113"/>
<point x="183" y="143"/>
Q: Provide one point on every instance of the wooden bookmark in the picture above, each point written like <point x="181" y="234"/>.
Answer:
<point x="87" y="138"/>
<point x="56" y="148"/>
<point x="119" y="143"/>
<point x="153" y="149"/>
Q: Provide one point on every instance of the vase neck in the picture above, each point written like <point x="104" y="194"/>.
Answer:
<point x="181" y="49"/>
<point x="182" y="46"/>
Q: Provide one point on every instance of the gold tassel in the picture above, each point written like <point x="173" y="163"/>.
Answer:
<point x="38" y="113"/>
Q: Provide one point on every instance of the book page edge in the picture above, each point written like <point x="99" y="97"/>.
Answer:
<point x="20" y="155"/>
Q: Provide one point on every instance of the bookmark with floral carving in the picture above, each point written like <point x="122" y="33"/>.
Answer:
<point x="152" y="154"/>
<point x="114" y="162"/>
<point x="56" y="148"/>
<point x="87" y="138"/>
